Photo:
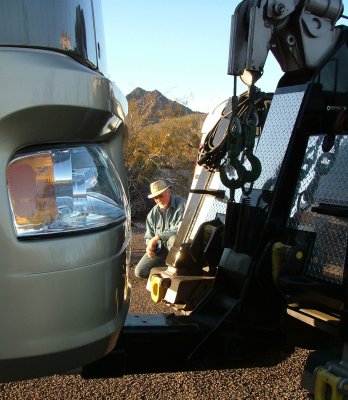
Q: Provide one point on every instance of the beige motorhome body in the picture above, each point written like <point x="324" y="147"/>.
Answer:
<point x="64" y="212"/>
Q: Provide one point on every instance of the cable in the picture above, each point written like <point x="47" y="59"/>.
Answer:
<point x="210" y="156"/>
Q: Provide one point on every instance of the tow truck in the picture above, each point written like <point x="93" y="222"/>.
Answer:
<point x="275" y="251"/>
<point x="270" y="260"/>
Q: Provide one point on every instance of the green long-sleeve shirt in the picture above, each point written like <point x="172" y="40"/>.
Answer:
<point x="165" y="223"/>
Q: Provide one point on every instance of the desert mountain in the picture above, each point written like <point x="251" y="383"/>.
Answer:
<point x="152" y="106"/>
<point x="164" y="136"/>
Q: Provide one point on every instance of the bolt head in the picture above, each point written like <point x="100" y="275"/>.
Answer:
<point x="278" y="8"/>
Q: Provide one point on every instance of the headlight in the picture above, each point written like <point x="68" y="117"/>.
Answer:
<point x="63" y="190"/>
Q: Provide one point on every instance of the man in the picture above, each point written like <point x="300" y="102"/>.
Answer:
<point x="162" y="224"/>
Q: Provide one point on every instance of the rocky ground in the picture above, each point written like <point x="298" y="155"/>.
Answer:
<point x="277" y="382"/>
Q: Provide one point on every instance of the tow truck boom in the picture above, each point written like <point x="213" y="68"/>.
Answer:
<point x="299" y="33"/>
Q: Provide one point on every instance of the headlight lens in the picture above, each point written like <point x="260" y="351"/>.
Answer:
<point x="63" y="190"/>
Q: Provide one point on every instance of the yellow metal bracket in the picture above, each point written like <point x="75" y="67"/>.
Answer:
<point x="159" y="287"/>
<point x="327" y="384"/>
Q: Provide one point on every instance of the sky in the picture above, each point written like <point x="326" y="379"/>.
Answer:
<point x="179" y="47"/>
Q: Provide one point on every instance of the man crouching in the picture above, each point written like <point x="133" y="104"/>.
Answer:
<point x="162" y="224"/>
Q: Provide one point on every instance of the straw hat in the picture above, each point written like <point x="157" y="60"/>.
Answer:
<point x="157" y="188"/>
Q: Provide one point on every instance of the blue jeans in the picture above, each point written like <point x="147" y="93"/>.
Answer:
<point x="146" y="263"/>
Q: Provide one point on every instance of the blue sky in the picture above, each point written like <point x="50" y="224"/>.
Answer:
<point x="179" y="47"/>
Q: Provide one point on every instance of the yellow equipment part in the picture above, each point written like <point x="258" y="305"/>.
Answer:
<point x="159" y="287"/>
<point x="279" y="253"/>
<point x="323" y="379"/>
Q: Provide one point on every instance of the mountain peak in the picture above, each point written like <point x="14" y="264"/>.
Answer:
<point x="153" y="105"/>
<point x="136" y="93"/>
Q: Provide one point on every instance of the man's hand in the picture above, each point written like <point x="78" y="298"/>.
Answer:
<point x="151" y="246"/>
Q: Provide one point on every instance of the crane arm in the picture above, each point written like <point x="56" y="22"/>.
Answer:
<point x="300" y="33"/>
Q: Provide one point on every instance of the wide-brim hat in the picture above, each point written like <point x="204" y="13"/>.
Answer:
<point x="157" y="188"/>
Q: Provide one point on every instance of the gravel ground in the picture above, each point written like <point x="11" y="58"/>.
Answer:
<point x="276" y="382"/>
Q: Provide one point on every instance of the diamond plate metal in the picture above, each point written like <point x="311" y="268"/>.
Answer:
<point x="210" y="206"/>
<point x="323" y="179"/>
<point x="276" y="135"/>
